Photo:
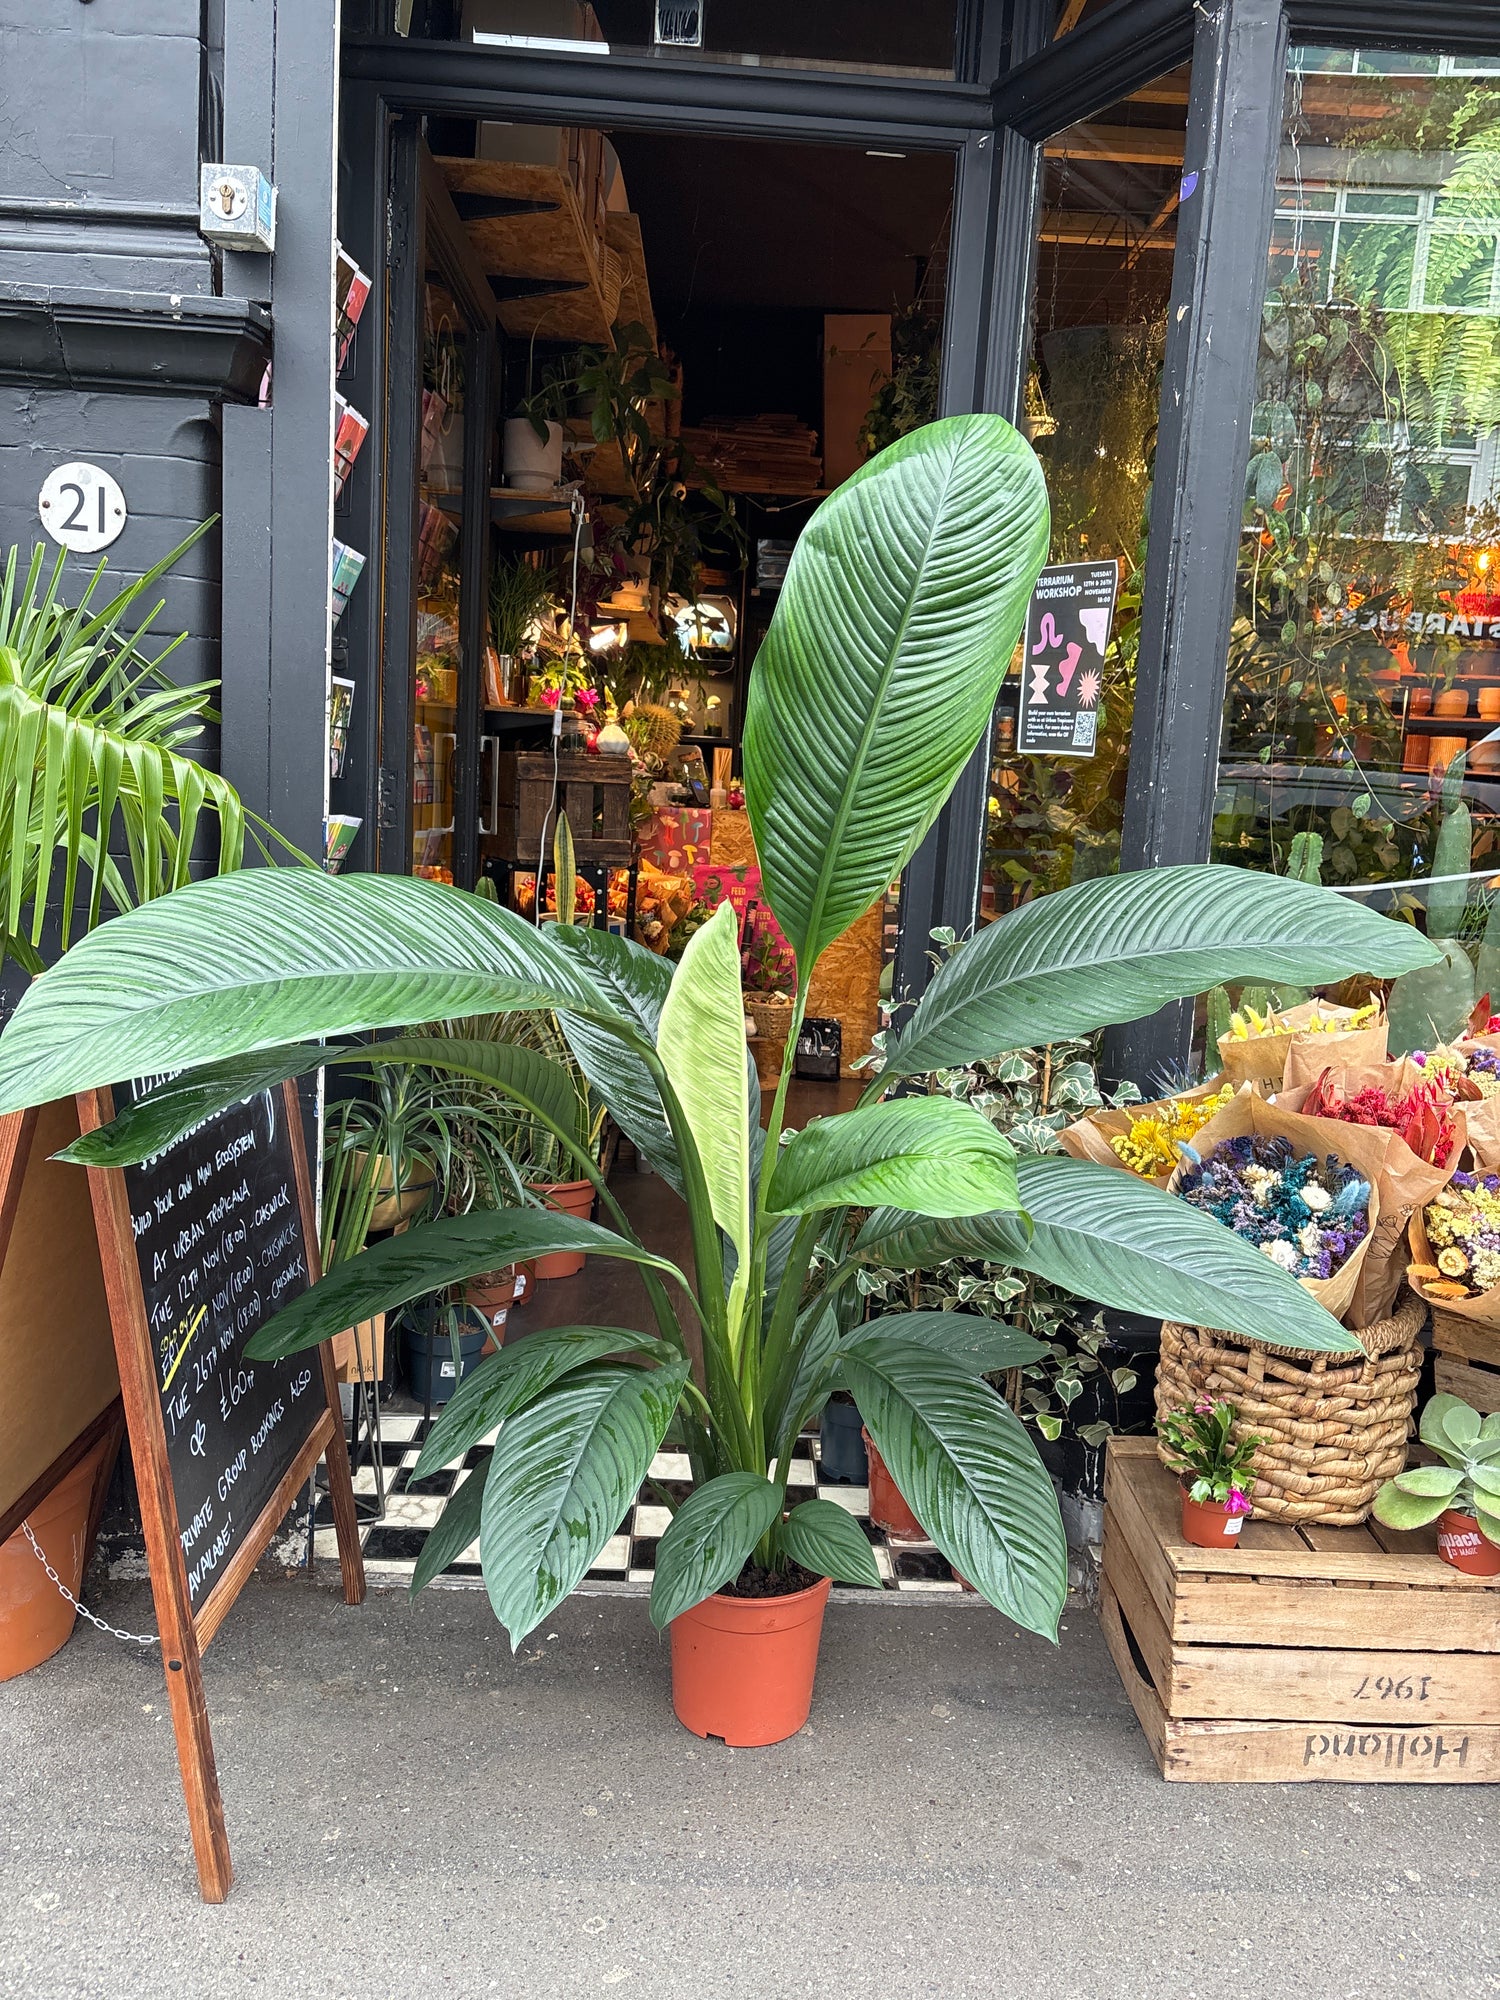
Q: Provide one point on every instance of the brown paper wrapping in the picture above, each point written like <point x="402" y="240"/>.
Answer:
<point x="1351" y="1048"/>
<point x="1088" y="1138"/>
<point x="1484" y="1310"/>
<point x="1263" y="1058"/>
<point x="1406" y="1183"/>
<point x="1483" y="1113"/>
<point x="1354" y="1147"/>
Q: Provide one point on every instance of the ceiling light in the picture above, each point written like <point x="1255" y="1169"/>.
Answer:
<point x="876" y="153"/>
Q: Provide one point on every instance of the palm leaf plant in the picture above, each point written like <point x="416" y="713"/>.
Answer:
<point x="91" y="737"/>
<point x="876" y="682"/>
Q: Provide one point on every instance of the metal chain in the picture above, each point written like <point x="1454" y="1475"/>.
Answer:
<point x="132" y="1638"/>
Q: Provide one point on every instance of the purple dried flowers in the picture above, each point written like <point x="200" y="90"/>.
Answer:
<point x="1307" y="1215"/>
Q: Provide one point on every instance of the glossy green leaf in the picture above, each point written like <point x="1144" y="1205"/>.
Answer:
<point x="701" y="1041"/>
<point x="456" y="1528"/>
<point x="969" y="1472"/>
<point x="709" y="1540"/>
<point x="399" y="1269"/>
<point x="1115" y="1240"/>
<point x="635" y="982"/>
<point x="902" y="603"/>
<point x="267" y="957"/>
<point x="825" y="1538"/>
<point x="563" y="1472"/>
<point x="932" y="1155"/>
<point x="1118" y="948"/>
<point x="160" y="1118"/>
<point x="984" y="1346"/>
<point x="1407" y="1510"/>
<point x="505" y="1382"/>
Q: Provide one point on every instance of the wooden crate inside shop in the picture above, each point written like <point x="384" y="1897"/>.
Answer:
<point x="594" y="792"/>
<point x="1466" y="1360"/>
<point x="1308" y="1654"/>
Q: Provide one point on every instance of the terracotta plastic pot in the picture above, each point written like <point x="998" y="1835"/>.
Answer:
<point x="491" y="1295"/>
<point x="743" y="1667"/>
<point x="1207" y="1525"/>
<point x="568" y="1198"/>
<point x="1461" y="1544"/>
<point x="888" y="1509"/>
<point x="35" y="1618"/>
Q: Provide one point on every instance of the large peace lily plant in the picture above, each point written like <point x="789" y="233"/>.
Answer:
<point x="901" y="608"/>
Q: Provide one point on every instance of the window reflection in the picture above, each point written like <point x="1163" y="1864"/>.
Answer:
<point x="1365" y="661"/>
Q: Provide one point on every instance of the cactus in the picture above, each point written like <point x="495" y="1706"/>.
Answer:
<point x="1304" y="863"/>
<point x="1467" y="1481"/>
<point x="1434" y="1003"/>
<point x="654" y="731"/>
<point x="1219" y="1011"/>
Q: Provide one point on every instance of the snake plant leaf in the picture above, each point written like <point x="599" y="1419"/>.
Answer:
<point x="563" y="1472"/>
<point x="913" y="577"/>
<point x="825" y="1538"/>
<point x="709" y="1540"/>
<point x="267" y="957"/>
<point x="984" y="1346"/>
<point x="1113" y="1239"/>
<point x="969" y="1472"/>
<point x="932" y="1155"/>
<point x="506" y="1382"/>
<point x="1118" y="948"/>
<point x="401" y="1268"/>
<point x="701" y="1041"/>
<point x="635" y="982"/>
<point x="457" y="1527"/>
<point x="1399" y="1509"/>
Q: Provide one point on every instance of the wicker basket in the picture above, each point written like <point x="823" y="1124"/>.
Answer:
<point x="1333" y="1430"/>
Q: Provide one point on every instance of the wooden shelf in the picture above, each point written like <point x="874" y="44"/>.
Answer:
<point x="572" y="291"/>
<point x="623" y="233"/>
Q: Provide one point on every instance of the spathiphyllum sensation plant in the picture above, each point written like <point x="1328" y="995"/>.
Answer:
<point x="874" y="685"/>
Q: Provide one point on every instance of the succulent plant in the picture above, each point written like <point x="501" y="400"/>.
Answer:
<point x="1467" y="1481"/>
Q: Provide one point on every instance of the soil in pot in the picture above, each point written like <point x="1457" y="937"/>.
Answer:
<point x="1462" y="1545"/>
<point x="743" y="1661"/>
<point x="842" y="1450"/>
<point x="35" y="1618"/>
<point x="888" y="1508"/>
<point x="569" y="1198"/>
<point x="1207" y="1525"/>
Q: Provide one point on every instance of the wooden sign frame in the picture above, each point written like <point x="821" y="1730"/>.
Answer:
<point x="184" y="1633"/>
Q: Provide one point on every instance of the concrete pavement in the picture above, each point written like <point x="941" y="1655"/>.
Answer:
<point x="415" y="1813"/>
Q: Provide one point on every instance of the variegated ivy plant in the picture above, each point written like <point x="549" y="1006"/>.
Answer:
<point x="875" y="684"/>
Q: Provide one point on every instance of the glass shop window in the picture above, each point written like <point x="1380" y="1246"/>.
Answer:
<point x="1364" y="666"/>
<point x="895" y="36"/>
<point x="1112" y="187"/>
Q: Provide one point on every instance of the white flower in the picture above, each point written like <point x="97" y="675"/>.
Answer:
<point x="1283" y="1254"/>
<point x="1309" y="1239"/>
<point x="1317" y="1198"/>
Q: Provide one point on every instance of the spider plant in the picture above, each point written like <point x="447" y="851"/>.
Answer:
<point x="875" y="683"/>
<point x="91" y="735"/>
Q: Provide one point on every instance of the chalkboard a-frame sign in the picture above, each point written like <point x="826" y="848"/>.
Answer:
<point x="199" y="1246"/>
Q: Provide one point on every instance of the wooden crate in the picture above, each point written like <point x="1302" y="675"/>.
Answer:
<point x="594" y="792"/>
<point x="1308" y="1654"/>
<point x="1466" y="1360"/>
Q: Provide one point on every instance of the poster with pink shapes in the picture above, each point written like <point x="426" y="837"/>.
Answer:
<point x="1062" y="667"/>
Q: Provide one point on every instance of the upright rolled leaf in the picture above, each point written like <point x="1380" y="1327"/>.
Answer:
<point x="701" y="1042"/>
<point x="563" y="1472"/>
<point x="1118" y="948"/>
<point x="930" y="1154"/>
<point x="250" y="961"/>
<point x="1118" y="1241"/>
<point x="903" y="601"/>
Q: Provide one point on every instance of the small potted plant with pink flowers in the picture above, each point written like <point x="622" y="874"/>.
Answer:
<point x="1215" y="1469"/>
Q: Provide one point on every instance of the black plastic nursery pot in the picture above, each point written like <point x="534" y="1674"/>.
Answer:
<point x="843" y="1450"/>
<point x="427" y="1357"/>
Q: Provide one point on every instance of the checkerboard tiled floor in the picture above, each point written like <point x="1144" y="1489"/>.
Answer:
<point x="626" y="1562"/>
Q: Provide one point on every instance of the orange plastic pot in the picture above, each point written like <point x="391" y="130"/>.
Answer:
<point x="1461" y="1544"/>
<point x="35" y="1618"/>
<point x="743" y="1667"/>
<point x="568" y="1198"/>
<point x="492" y="1295"/>
<point x="1207" y="1525"/>
<point x="888" y="1508"/>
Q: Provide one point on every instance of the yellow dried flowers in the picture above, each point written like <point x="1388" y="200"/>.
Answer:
<point x="1149" y="1148"/>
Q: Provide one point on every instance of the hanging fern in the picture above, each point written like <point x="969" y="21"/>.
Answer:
<point x="91" y="739"/>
